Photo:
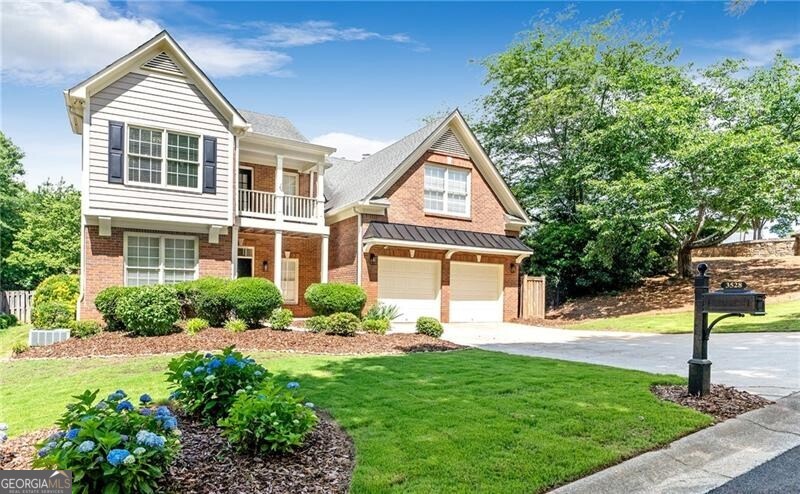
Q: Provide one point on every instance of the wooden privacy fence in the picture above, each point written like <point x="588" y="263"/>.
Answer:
<point x="17" y="302"/>
<point x="533" y="299"/>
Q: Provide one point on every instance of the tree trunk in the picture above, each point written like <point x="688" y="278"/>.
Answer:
<point x="758" y="228"/>
<point x="685" y="261"/>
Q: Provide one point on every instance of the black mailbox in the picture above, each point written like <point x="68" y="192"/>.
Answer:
<point x="735" y="297"/>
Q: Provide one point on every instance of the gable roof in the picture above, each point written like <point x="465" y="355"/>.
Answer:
<point x="272" y="125"/>
<point x="347" y="184"/>
<point x="75" y="97"/>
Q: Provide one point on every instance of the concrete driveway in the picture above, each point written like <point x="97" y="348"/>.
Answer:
<point x="767" y="364"/>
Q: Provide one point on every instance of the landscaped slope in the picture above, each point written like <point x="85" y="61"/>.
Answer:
<point x="463" y="421"/>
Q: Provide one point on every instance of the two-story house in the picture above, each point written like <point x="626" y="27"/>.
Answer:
<point x="178" y="183"/>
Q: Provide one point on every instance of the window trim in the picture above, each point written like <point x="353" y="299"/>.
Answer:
<point x="444" y="212"/>
<point x="163" y="184"/>
<point x="296" y="176"/>
<point x="161" y="249"/>
<point x="296" y="262"/>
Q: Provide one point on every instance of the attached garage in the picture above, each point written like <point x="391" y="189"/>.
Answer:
<point x="413" y="285"/>
<point x="476" y="292"/>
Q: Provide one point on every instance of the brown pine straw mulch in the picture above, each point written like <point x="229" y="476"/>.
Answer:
<point x="119" y="344"/>
<point x="208" y="464"/>
<point x="723" y="402"/>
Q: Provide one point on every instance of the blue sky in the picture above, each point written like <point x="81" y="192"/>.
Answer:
<point x="352" y="75"/>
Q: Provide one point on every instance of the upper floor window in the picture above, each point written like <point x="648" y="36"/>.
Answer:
<point x="447" y="190"/>
<point x="146" y="158"/>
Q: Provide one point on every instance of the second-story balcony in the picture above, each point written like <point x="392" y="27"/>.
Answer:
<point x="270" y="206"/>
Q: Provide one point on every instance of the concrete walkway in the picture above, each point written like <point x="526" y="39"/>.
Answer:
<point x="707" y="459"/>
<point x="767" y="364"/>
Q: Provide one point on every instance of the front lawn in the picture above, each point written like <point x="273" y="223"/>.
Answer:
<point x="781" y="316"/>
<point x="11" y="336"/>
<point x="463" y="421"/>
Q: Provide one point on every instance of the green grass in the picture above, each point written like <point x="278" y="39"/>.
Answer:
<point x="12" y="335"/>
<point x="781" y="316"/>
<point x="466" y="421"/>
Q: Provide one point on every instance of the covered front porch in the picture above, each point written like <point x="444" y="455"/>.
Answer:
<point x="291" y="260"/>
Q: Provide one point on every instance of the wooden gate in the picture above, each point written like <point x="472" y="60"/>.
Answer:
<point x="533" y="299"/>
<point x="17" y="302"/>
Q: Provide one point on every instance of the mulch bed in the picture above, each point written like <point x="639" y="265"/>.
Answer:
<point x="117" y="344"/>
<point x="722" y="403"/>
<point x="208" y="464"/>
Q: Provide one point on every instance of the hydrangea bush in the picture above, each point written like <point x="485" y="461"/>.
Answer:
<point x="272" y="419"/>
<point x="206" y="385"/>
<point x="112" y="445"/>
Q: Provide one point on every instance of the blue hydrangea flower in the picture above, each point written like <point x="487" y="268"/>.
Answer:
<point x="145" y="411"/>
<point x="102" y="405"/>
<point x="86" y="446"/>
<point x="163" y="411"/>
<point x="139" y="451"/>
<point x="129" y="460"/>
<point x="66" y="444"/>
<point x="152" y="440"/>
<point x="51" y="444"/>
<point x="214" y="363"/>
<point x="199" y="369"/>
<point x="145" y="398"/>
<point x="125" y="405"/>
<point x="208" y="355"/>
<point x="117" y="456"/>
<point x="231" y="360"/>
<point x="169" y="423"/>
<point x="44" y="451"/>
<point x="3" y="426"/>
<point x="258" y="373"/>
<point x="293" y="385"/>
<point x="3" y="437"/>
<point x="121" y="393"/>
<point x="72" y="433"/>
<point x="123" y="438"/>
<point x="57" y="435"/>
<point x="187" y="374"/>
<point x="175" y="395"/>
<point x="241" y="364"/>
<point x="116" y="396"/>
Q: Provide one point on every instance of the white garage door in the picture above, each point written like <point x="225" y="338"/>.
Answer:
<point x="410" y="284"/>
<point x="476" y="292"/>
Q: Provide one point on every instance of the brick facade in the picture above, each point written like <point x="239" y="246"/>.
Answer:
<point x="306" y="249"/>
<point x="264" y="179"/>
<point x="104" y="261"/>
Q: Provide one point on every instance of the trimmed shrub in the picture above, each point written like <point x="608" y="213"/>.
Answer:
<point x="343" y="324"/>
<point x="377" y="326"/>
<point x="106" y="303"/>
<point x="54" y="301"/>
<point x="429" y="326"/>
<point x="382" y="311"/>
<point x="84" y="329"/>
<point x="269" y="420"/>
<point x="195" y="325"/>
<point x="112" y="446"/>
<point x="253" y="299"/>
<point x="318" y="324"/>
<point x="206" y="297"/>
<point x="8" y="320"/>
<point x="281" y="319"/>
<point x="206" y="385"/>
<point x="236" y="325"/>
<point x="149" y="310"/>
<point x="329" y="298"/>
<point x="19" y="347"/>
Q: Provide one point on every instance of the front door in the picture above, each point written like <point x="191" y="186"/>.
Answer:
<point x="245" y="183"/>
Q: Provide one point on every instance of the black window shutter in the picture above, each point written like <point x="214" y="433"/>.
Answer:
<point x="209" y="165"/>
<point x="116" y="148"/>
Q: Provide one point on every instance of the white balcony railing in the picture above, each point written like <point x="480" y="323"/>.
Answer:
<point x="259" y="204"/>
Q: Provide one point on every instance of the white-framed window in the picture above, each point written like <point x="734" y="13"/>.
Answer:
<point x="290" y="280"/>
<point x="147" y="156"/>
<point x="447" y="190"/>
<point x="153" y="259"/>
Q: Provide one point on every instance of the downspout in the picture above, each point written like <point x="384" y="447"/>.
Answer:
<point x="359" y="250"/>
<point x="234" y="208"/>
<point x="87" y="121"/>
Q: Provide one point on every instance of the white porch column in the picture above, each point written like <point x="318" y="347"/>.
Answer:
<point x="323" y="271"/>
<point x="321" y="193"/>
<point x="278" y="254"/>
<point x="279" y="188"/>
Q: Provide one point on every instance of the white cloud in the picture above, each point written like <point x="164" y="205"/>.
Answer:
<point x="756" y="52"/>
<point x="316" y="32"/>
<point x="350" y="146"/>
<point x="62" y="41"/>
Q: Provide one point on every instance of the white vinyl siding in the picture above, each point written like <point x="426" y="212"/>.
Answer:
<point x="168" y="104"/>
<point x="154" y="259"/>
<point x="447" y="190"/>
<point x="289" y="280"/>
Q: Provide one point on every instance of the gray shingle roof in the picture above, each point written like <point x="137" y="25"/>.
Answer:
<point x="349" y="182"/>
<point x="445" y="236"/>
<point x="272" y="125"/>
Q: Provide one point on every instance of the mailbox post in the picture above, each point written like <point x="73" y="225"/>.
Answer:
<point x="734" y="300"/>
